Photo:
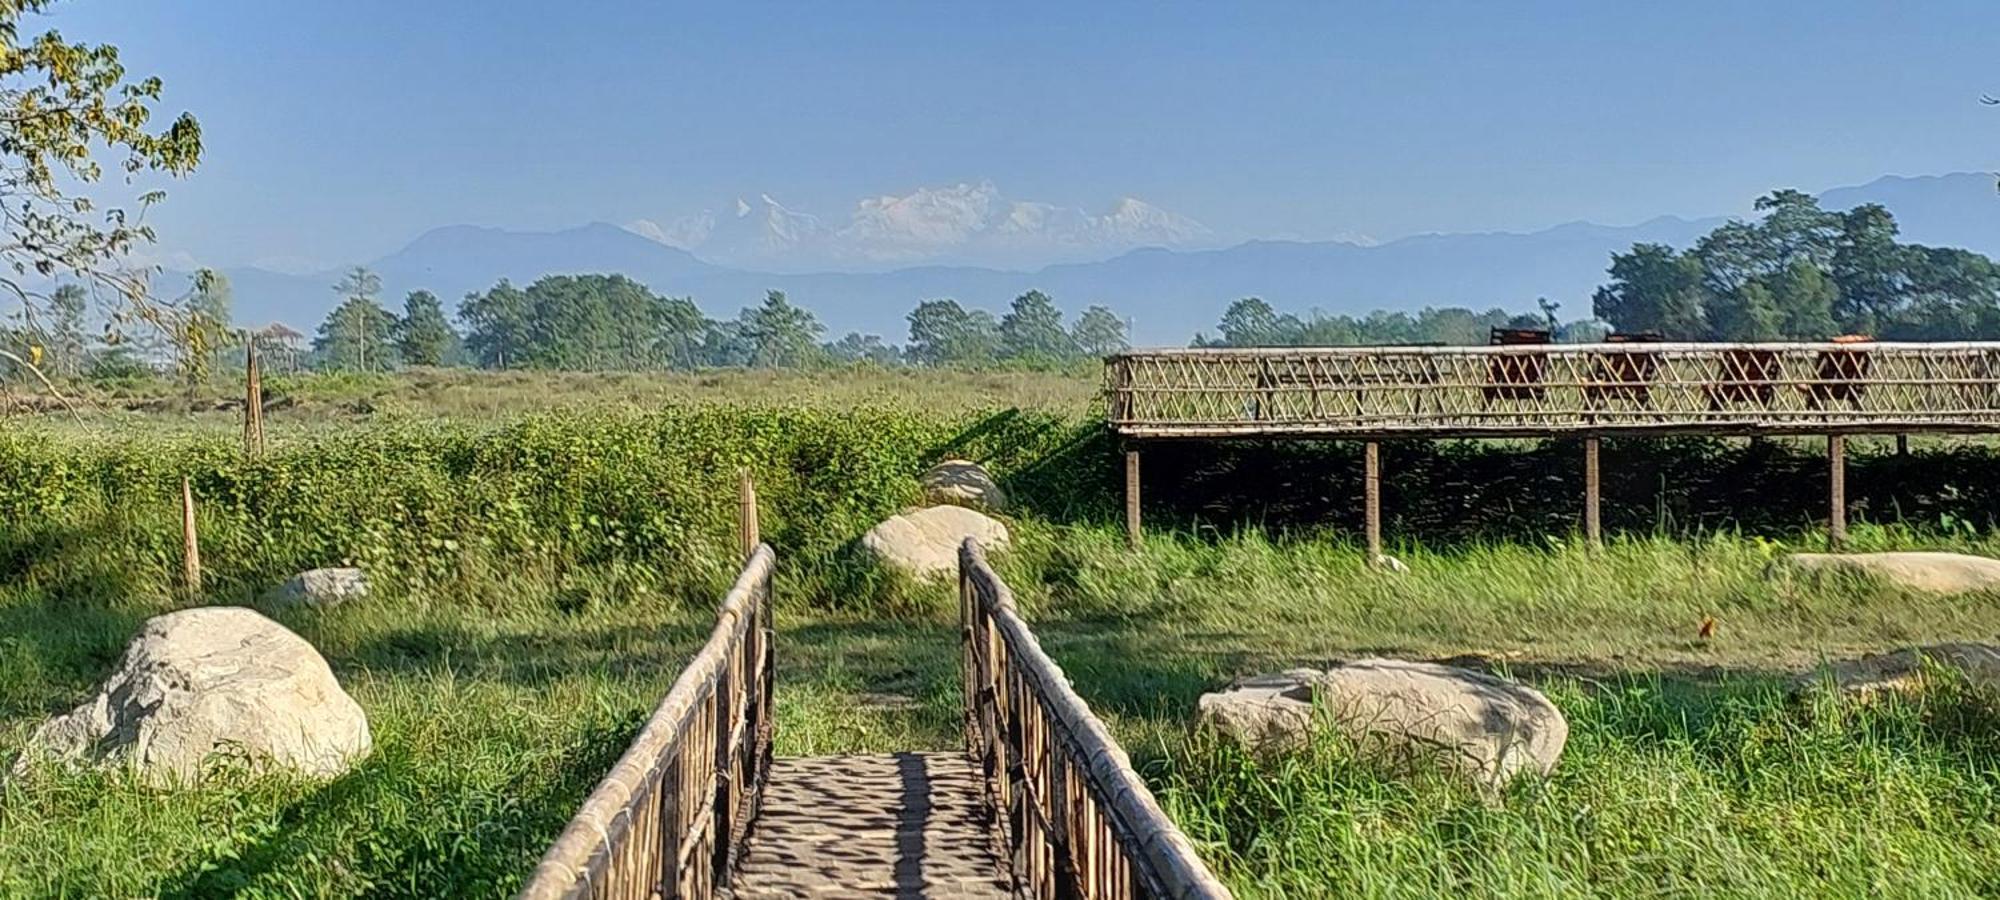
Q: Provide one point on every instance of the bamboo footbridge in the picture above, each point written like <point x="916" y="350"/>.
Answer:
<point x="1042" y="804"/>
<point x="1522" y="386"/>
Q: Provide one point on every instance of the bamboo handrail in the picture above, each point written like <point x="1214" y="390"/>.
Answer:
<point x="669" y="818"/>
<point x="1078" y="821"/>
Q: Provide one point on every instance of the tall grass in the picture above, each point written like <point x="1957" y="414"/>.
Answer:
<point x="541" y="579"/>
<point x="1725" y="789"/>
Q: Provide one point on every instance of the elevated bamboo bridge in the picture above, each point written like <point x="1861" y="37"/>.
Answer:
<point x="1043" y="803"/>
<point x="1521" y="386"/>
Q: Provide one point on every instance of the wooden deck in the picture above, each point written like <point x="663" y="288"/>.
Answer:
<point x="893" y="825"/>
<point x="1543" y="390"/>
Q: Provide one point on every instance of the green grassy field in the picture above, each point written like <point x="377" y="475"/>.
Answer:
<point x="540" y="580"/>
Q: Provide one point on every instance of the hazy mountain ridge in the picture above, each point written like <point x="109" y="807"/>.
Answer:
<point x="1169" y="294"/>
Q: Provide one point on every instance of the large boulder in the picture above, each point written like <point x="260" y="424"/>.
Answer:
<point x="1928" y="572"/>
<point x="924" y="543"/>
<point x="963" y="483"/>
<point x="212" y="680"/>
<point x="321" y="588"/>
<point x="1904" y="670"/>
<point x="1484" y="728"/>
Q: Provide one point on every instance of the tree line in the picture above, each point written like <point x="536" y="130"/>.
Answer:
<point x="1794" y="271"/>
<point x="1252" y="322"/>
<point x="1803" y="273"/>
<point x="580" y="322"/>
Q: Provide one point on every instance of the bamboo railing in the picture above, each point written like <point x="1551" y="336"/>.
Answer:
<point x="673" y="814"/>
<point x="1075" y="818"/>
<point x="1544" y="389"/>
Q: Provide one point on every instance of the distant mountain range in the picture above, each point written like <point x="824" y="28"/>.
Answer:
<point x="1168" y="293"/>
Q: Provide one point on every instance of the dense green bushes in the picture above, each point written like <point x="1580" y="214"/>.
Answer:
<point x="435" y="502"/>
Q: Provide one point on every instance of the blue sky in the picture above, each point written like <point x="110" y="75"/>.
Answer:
<point x="338" y="131"/>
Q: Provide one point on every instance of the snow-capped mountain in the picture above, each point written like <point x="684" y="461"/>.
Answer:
<point x="960" y="224"/>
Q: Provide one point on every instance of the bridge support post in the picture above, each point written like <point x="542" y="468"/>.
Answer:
<point x="1836" y="483"/>
<point x="1371" y="499"/>
<point x="1902" y="445"/>
<point x="1593" y="526"/>
<point x="1132" y="536"/>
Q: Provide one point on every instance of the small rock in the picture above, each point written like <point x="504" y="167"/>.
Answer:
<point x="924" y="543"/>
<point x="321" y="588"/>
<point x="1387" y="563"/>
<point x="963" y="483"/>
<point x="211" y="680"/>
<point x="1929" y="572"/>
<point x="1484" y="728"/>
<point x="1903" y="670"/>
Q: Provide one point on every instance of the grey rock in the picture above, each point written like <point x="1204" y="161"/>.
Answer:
<point x="1387" y="563"/>
<point x="1927" y="572"/>
<point x="321" y="588"/>
<point x="924" y="543"/>
<point x="207" y="681"/>
<point x="963" y="483"/>
<point x="1484" y="728"/>
<point x="1904" y="670"/>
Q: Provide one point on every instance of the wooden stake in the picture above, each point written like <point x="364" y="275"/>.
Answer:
<point x="1902" y="445"/>
<point x="190" y="544"/>
<point x="747" y="536"/>
<point x="1132" y="536"/>
<point x="1371" y="499"/>
<point x="253" y="403"/>
<point x="1836" y="458"/>
<point x="1593" y="525"/>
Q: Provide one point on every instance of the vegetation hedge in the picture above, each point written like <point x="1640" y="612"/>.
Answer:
<point x="433" y="502"/>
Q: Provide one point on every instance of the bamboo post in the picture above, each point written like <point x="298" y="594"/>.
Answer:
<point x="747" y="536"/>
<point x="253" y="402"/>
<point x="1593" y="525"/>
<point x="1836" y="458"/>
<point x="1371" y="499"/>
<point x="1132" y="535"/>
<point x="190" y="544"/>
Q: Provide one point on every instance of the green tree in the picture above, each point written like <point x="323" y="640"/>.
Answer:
<point x="781" y="334"/>
<point x="1033" y="329"/>
<point x="497" y="326"/>
<point x="1099" y="332"/>
<point x="1654" y="288"/>
<point x="724" y="344"/>
<point x="586" y="322"/>
<point x="68" y="305"/>
<point x="856" y="347"/>
<point x="1801" y="272"/>
<point x="209" y="306"/>
<point x="212" y="300"/>
<point x="194" y="327"/>
<point x="1869" y="270"/>
<point x="943" y="333"/>
<point x="1803" y="295"/>
<point x="423" y="337"/>
<point x="67" y="106"/>
<point x="682" y="331"/>
<point x="1251" y="322"/>
<point x="354" y="341"/>
<point x="359" y="335"/>
<point x="1952" y="294"/>
<point x="1747" y="313"/>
